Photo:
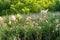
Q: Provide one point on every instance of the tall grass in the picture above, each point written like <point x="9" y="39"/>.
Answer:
<point x="47" y="28"/>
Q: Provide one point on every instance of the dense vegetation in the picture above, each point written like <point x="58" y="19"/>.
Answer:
<point x="18" y="21"/>
<point x="30" y="6"/>
<point x="30" y="28"/>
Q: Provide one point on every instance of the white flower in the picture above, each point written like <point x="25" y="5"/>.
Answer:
<point x="12" y="18"/>
<point x="28" y="18"/>
<point x="41" y="19"/>
<point x="44" y="11"/>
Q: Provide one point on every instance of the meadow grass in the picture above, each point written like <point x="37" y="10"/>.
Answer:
<point x="30" y="27"/>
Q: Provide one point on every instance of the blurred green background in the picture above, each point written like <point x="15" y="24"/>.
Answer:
<point x="27" y="6"/>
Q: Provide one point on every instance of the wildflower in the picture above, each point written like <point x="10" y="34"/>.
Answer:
<point x="44" y="11"/>
<point x="28" y="18"/>
<point x="12" y="18"/>
<point x="41" y="19"/>
<point x="18" y="16"/>
<point x="35" y="23"/>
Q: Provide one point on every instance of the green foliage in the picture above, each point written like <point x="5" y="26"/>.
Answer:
<point x="30" y="6"/>
<point x="45" y="30"/>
